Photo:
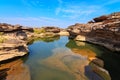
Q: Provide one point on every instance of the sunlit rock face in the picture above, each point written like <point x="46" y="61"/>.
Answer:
<point x="13" y="41"/>
<point x="63" y="33"/>
<point x="103" y="30"/>
<point x="14" y="70"/>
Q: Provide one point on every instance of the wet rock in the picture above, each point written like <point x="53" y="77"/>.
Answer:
<point x="97" y="61"/>
<point x="100" y="71"/>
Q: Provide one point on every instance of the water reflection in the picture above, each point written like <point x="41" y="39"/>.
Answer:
<point x="82" y="48"/>
<point x="95" y="69"/>
<point x="45" y="39"/>
<point x="14" y="70"/>
<point x="65" y="60"/>
<point x="53" y="61"/>
<point x="60" y="61"/>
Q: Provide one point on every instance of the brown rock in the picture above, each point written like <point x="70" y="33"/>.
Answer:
<point x="100" y="19"/>
<point x="52" y="29"/>
<point x="105" y="31"/>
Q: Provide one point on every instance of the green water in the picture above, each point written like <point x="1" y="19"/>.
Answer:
<point x="62" y="59"/>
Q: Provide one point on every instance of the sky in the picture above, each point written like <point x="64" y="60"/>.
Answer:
<point x="59" y="13"/>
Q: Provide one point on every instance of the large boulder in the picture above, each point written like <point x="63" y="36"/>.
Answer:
<point x="12" y="48"/>
<point x="13" y="41"/>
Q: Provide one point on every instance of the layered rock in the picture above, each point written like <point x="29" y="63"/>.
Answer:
<point x="103" y="30"/>
<point x="13" y="41"/>
<point x="14" y="38"/>
<point x="52" y="29"/>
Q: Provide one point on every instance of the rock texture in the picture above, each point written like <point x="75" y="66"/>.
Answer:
<point x="13" y="41"/>
<point x="103" y="30"/>
<point x="52" y="29"/>
<point x="97" y="65"/>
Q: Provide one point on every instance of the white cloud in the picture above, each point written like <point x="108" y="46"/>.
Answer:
<point x="58" y="9"/>
<point x="82" y="10"/>
<point x="74" y="12"/>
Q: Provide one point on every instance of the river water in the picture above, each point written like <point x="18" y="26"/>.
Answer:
<point x="60" y="59"/>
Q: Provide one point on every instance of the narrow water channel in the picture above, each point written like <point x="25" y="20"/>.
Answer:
<point x="60" y="59"/>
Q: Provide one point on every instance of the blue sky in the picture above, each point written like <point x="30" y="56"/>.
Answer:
<point x="61" y="13"/>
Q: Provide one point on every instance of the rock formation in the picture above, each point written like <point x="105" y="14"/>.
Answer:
<point x="103" y="30"/>
<point x="14" y="38"/>
<point x="13" y="41"/>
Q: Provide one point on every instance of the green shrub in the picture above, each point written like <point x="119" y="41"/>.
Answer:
<point x="39" y="31"/>
<point x="2" y="39"/>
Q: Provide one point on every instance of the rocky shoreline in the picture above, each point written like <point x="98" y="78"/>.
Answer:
<point x="15" y="38"/>
<point x="103" y="30"/>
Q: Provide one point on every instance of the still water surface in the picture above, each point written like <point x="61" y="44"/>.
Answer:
<point x="62" y="59"/>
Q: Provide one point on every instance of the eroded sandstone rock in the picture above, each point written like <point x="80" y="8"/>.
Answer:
<point x="105" y="31"/>
<point x="13" y="43"/>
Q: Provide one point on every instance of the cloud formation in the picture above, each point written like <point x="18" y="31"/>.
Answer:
<point x="74" y="11"/>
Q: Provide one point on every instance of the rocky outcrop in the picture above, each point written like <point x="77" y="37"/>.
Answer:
<point x="4" y="27"/>
<point x="14" y="38"/>
<point x="13" y="41"/>
<point x="52" y="29"/>
<point x="103" y="30"/>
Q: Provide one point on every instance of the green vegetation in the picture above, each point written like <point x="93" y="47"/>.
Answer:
<point x="39" y="31"/>
<point x="2" y="39"/>
<point x="45" y="39"/>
